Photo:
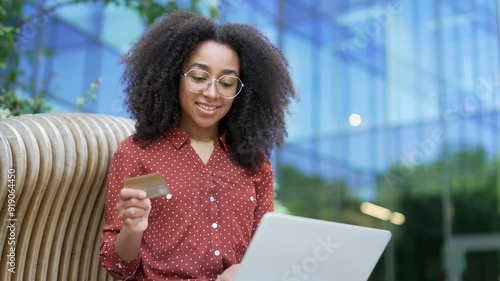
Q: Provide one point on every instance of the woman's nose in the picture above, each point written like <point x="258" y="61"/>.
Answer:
<point x="211" y="91"/>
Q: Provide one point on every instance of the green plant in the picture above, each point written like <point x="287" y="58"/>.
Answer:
<point x="13" y="105"/>
<point x="90" y="94"/>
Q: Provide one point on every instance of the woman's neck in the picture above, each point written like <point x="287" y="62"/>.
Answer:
<point x="200" y="134"/>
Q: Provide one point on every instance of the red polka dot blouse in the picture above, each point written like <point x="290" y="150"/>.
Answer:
<point x="202" y="227"/>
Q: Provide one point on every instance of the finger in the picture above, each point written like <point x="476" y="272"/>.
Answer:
<point x="130" y="222"/>
<point x="148" y="210"/>
<point x="127" y="193"/>
<point x="134" y="213"/>
<point x="134" y="203"/>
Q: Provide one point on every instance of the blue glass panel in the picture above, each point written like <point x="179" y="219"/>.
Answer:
<point x="298" y="158"/>
<point x="81" y="15"/>
<point x="490" y="132"/>
<point x="270" y="8"/>
<point x="328" y="6"/>
<point x="298" y="53"/>
<point x="333" y="149"/>
<point x="67" y="36"/>
<point x="394" y="146"/>
<point x="31" y="31"/>
<point x="329" y="91"/>
<point x="360" y="97"/>
<point x="488" y="73"/>
<point x="380" y="150"/>
<point x="412" y="154"/>
<point x="68" y="81"/>
<point x="296" y="12"/>
<point x="58" y="105"/>
<point x="428" y="90"/>
<point x="120" y="28"/>
<point x="269" y="30"/>
<point x="427" y="35"/>
<point x="111" y="95"/>
<point x="361" y="152"/>
<point x="379" y="101"/>
<point x="240" y="13"/>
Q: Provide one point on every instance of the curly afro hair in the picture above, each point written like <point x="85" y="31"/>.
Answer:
<point x="256" y="120"/>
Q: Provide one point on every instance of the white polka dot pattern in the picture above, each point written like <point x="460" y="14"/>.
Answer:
<point x="203" y="226"/>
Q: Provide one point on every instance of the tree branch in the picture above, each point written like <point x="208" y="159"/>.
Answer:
<point x="43" y="10"/>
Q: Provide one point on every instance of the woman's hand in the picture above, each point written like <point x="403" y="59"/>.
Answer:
<point x="133" y="210"/>
<point x="229" y="274"/>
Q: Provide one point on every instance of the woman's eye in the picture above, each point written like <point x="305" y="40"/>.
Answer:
<point x="226" y="84"/>
<point x="199" y="78"/>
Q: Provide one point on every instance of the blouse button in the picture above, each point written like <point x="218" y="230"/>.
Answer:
<point x="217" y="252"/>
<point x="214" y="225"/>
<point x="169" y="196"/>
<point x="212" y="199"/>
<point x="251" y="198"/>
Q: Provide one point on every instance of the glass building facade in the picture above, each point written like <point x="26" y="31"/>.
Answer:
<point x="397" y="126"/>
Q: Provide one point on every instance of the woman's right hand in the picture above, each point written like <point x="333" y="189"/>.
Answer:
<point x="133" y="209"/>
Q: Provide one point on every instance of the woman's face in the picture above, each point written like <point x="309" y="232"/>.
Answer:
<point x="201" y="112"/>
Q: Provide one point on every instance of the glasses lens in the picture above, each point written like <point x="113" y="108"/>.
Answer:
<point x="198" y="81"/>
<point x="229" y="86"/>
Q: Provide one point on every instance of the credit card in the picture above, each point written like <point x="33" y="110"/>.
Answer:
<point x="152" y="184"/>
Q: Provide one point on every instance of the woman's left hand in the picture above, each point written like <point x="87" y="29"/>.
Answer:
<point x="229" y="274"/>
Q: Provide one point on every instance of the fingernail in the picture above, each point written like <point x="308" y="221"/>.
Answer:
<point x="143" y="194"/>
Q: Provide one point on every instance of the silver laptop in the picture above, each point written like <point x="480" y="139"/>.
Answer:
<point x="290" y="248"/>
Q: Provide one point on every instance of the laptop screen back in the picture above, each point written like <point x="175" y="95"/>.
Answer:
<point x="290" y="248"/>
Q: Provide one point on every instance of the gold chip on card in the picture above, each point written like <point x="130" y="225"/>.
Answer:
<point x="152" y="184"/>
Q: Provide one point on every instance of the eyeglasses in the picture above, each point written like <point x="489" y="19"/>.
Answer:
<point x="199" y="81"/>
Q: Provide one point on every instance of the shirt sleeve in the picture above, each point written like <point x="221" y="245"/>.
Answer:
<point x="123" y="165"/>
<point x="264" y="190"/>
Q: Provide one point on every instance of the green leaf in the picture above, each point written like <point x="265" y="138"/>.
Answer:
<point x="80" y="102"/>
<point x="5" y="113"/>
<point x="94" y="86"/>
<point x="214" y="12"/>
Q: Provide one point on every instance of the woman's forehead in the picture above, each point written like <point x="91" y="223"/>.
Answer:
<point x="213" y="56"/>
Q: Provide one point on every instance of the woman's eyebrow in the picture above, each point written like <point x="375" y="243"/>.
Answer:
<point x="207" y="68"/>
<point x="229" y="71"/>
<point x="200" y="65"/>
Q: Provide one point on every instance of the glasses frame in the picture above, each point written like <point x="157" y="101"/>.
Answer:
<point x="211" y="82"/>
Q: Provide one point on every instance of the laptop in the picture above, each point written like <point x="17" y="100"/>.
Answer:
<point x="291" y="248"/>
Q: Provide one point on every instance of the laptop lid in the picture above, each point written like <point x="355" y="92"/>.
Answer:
<point x="291" y="248"/>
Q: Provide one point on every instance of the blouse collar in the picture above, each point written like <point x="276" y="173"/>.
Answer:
<point x="178" y="138"/>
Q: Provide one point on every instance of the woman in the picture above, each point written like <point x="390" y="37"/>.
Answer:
<point x="210" y="103"/>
